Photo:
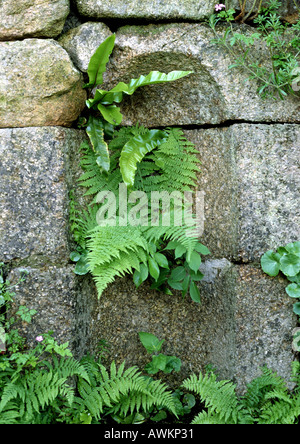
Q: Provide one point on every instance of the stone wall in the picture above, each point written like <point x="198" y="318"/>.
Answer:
<point x="250" y="173"/>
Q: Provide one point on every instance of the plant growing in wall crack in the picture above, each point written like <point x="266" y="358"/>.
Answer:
<point x="279" y="74"/>
<point x="160" y="362"/>
<point x="140" y="182"/>
<point x="287" y="261"/>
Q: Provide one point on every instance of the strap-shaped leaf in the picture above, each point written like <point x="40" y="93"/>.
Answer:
<point x="116" y="94"/>
<point x="155" y="77"/>
<point x="95" y="131"/>
<point x="135" y="150"/>
<point x="98" y="61"/>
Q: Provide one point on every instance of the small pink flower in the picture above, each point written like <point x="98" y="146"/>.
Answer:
<point x="39" y="338"/>
<point x="219" y="7"/>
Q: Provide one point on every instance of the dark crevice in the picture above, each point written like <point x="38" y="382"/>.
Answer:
<point x="115" y="24"/>
<point x="228" y="124"/>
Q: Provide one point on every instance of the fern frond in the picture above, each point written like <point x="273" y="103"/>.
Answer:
<point x="91" y="399"/>
<point x="205" y="417"/>
<point x="120" y="391"/>
<point x="68" y="368"/>
<point x="218" y="396"/>
<point x="83" y="223"/>
<point x="107" y="243"/>
<point x="283" y="411"/>
<point x="171" y="233"/>
<point x="12" y="390"/>
<point x="136" y="391"/>
<point x="178" y="163"/>
<point x="258" y="389"/>
<point x="34" y="391"/>
<point x="93" y="179"/>
<point x="126" y="262"/>
<point x="10" y="414"/>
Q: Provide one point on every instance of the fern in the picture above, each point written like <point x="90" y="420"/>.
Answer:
<point x="171" y="167"/>
<point x="26" y="395"/>
<point x="219" y="397"/>
<point x="172" y="233"/>
<point x="266" y="401"/>
<point x="10" y="414"/>
<point x="120" y="391"/>
<point x="106" y="274"/>
<point x="106" y="243"/>
<point x="258" y="389"/>
<point x="115" y="250"/>
<point x="178" y="163"/>
<point x="93" y="178"/>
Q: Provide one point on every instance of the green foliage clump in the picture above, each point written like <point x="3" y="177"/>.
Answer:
<point x="47" y="385"/>
<point x="160" y="362"/>
<point x="266" y="401"/>
<point x="140" y="162"/>
<point x="286" y="260"/>
<point x="279" y="74"/>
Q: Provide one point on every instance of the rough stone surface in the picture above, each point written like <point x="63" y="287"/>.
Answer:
<point x="63" y="302"/>
<point x="32" y="18"/>
<point x="251" y="178"/>
<point x="264" y="323"/>
<point x="39" y="85"/>
<point x="35" y="177"/>
<point x="245" y="321"/>
<point x="197" y="334"/>
<point x="159" y="9"/>
<point x="212" y="95"/>
<point x="82" y="41"/>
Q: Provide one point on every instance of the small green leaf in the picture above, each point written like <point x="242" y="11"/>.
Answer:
<point x="172" y="363"/>
<point x="176" y="285"/>
<point x="296" y="308"/>
<point x="185" y="285"/>
<point x="290" y="264"/>
<point x="153" y="268"/>
<point x="75" y="256"/>
<point x="294" y="248"/>
<point x="202" y="249"/>
<point x="163" y="276"/>
<point x="179" y="251"/>
<point x="295" y="279"/>
<point x="270" y="263"/>
<point x="296" y="341"/>
<point x="81" y="267"/>
<point x="172" y="245"/>
<point x="139" y="276"/>
<point x="194" y="292"/>
<point x="164" y="364"/>
<point x="160" y="416"/>
<point x="293" y="290"/>
<point x="194" y="261"/>
<point x="151" y="343"/>
<point x="196" y="276"/>
<point x="178" y="274"/>
<point x="161" y="260"/>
